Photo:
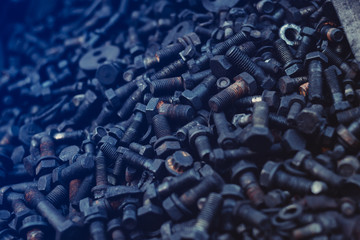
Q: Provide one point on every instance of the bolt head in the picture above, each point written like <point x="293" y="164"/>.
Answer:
<point x="232" y="191"/>
<point x="271" y="98"/>
<point x="293" y="14"/>
<point x="257" y="138"/>
<point x="267" y="83"/>
<point x="308" y="31"/>
<point x="171" y="209"/>
<point x="286" y="85"/>
<point x="151" y="108"/>
<point x="196" y="131"/>
<point x="221" y="67"/>
<point x="157" y="167"/>
<point x="315" y="56"/>
<point x="45" y="165"/>
<point x="189" y="98"/>
<point x="293" y="141"/>
<point x="294" y="70"/>
<point x="112" y="98"/>
<point x="300" y="157"/>
<point x="178" y="162"/>
<point x="268" y="172"/>
<point x="242" y="166"/>
<point x="308" y="120"/>
<point x="139" y="107"/>
<point x="56" y="174"/>
<point x="44" y="183"/>
<point x="297" y="98"/>
<point x="250" y="80"/>
<point x="167" y="148"/>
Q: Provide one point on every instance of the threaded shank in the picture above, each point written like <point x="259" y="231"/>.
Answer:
<point x="208" y="212"/>
<point x="283" y="51"/>
<point x="222" y="47"/>
<point x="241" y="60"/>
<point x="58" y="195"/>
<point x="161" y="126"/>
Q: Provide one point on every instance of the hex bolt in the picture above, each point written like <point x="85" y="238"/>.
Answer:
<point x="34" y="227"/>
<point x="296" y="103"/>
<point x="349" y="137"/>
<point x="130" y="103"/>
<point x="165" y="144"/>
<point x="133" y="131"/>
<point x="101" y="176"/>
<point x="208" y="214"/>
<point x="245" y="64"/>
<point x="193" y="79"/>
<point x="289" y="85"/>
<point x="305" y="43"/>
<point x="143" y="150"/>
<point x="114" y="97"/>
<point x="178" y="162"/>
<point x="244" y="211"/>
<point x="108" y="73"/>
<point x="65" y="229"/>
<point x="166" y="85"/>
<point x="83" y="166"/>
<point x="199" y="138"/>
<point x="129" y="210"/>
<point x="257" y="136"/>
<point x="292" y="67"/>
<point x="304" y="160"/>
<point x="163" y="55"/>
<point x="226" y="138"/>
<point x="272" y="175"/>
<point x="310" y="119"/>
<point x="219" y="49"/>
<point x="201" y="118"/>
<point x="171" y="70"/>
<point x="57" y="196"/>
<point x="338" y="98"/>
<point x="244" y="84"/>
<point x="197" y="96"/>
<point x="180" y="207"/>
<point x="184" y="180"/>
<point x="340" y="63"/>
<point x="244" y="173"/>
<point x="95" y="217"/>
<point x="178" y="112"/>
<point x="47" y="160"/>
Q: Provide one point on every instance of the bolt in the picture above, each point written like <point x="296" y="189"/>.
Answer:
<point x="257" y="136"/>
<point x="329" y="30"/>
<point x="199" y="137"/>
<point x="337" y="61"/>
<point x="245" y="64"/>
<point x="179" y="207"/>
<point x="83" y="191"/>
<point x="191" y="80"/>
<point x="348" y="116"/>
<point x="244" y="84"/>
<point x="65" y="229"/>
<point x="226" y="137"/>
<point x="101" y="176"/>
<point x="109" y="72"/>
<point x="34" y="227"/>
<point x="165" y="86"/>
<point x="57" y="196"/>
<point x="310" y="119"/>
<point x="244" y="173"/>
<point x="130" y="103"/>
<point x="270" y="97"/>
<point x="182" y="181"/>
<point x="244" y="211"/>
<point x="296" y="103"/>
<point x="331" y="78"/>
<point x="178" y="162"/>
<point x="276" y="198"/>
<point x="115" y="97"/>
<point x="349" y="90"/>
<point x="306" y="41"/>
<point x="129" y="210"/>
<point x="303" y="159"/>
<point x="171" y="70"/>
<point x="348" y="166"/>
<point x="134" y="130"/>
<point x="83" y="165"/>
<point x="95" y="217"/>
<point x="292" y="67"/>
<point x="197" y="96"/>
<point x="47" y="160"/>
<point x="289" y="85"/>
<point x="272" y="175"/>
<point x="202" y="118"/>
<point x="114" y="229"/>
<point x="349" y="137"/>
<point x="165" y="144"/>
<point x="143" y="150"/>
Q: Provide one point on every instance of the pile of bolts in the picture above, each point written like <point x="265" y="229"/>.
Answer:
<point x="183" y="119"/>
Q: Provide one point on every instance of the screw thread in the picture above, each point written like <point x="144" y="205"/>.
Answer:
<point x="124" y="91"/>
<point x="109" y="151"/>
<point x="161" y="126"/>
<point x="278" y="121"/>
<point x="303" y="48"/>
<point x="348" y="116"/>
<point x="135" y="159"/>
<point x="161" y="86"/>
<point x="283" y="51"/>
<point x="208" y="212"/>
<point x="101" y="178"/>
<point x="248" y="48"/>
<point x="169" y="51"/>
<point x="170" y="70"/>
<point x="333" y="83"/>
<point x="241" y="60"/>
<point x="228" y="95"/>
<point x="300" y="80"/>
<point x="130" y="103"/>
<point x="333" y="57"/>
<point x="177" y="111"/>
<point x="57" y="195"/>
<point x="315" y="80"/>
<point x="132" y="131"/>
<point x="222" y="47"/>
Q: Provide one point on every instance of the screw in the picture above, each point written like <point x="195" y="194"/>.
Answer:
<point x="289" y="85"/>
<point x="128" y="106"/>
<point x="305" y="44"/>
<point x="292" y="67"/>
<point x="57" y="196"/>
<point x="179" y="207"/>
<point x="193" y="79"/>
<point x="331" y="78"/>
<point x="133" y="131"/>
<point x="199" y="137"/>
<point x="166" y="86"/>
<point x="244" y="174"/>
<point x="114" y="229"/>
<point x="170" y="70"/>
<point x="115" y="97"/>
<point x="244" y="84"/>
<point x="296" y="103"/>
<point x="272" y="175"/>
<point x="245" y="64"/>
<point x="303" y="159"/>
<point x="226" y="137"/>
<point x="65" y="229"/>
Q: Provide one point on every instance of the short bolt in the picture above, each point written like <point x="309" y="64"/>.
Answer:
<point x="244" y="84"/>
<point x="199" y="138"/>
<point x="289" y="85"/>
<point x="244" y="173"/>
<point x="171" y="70"/>
<point x="47" y="160"/>
<point x="226" y="137"/>
<point x="296" y="103"/>
<point x="134" y="129"/>
<point x="129" y="105"/>
<point x="287" y="58"/>
<point x="58" y="195"/>
<point x="165" y="86"/>
<point x="304" y="160"/>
